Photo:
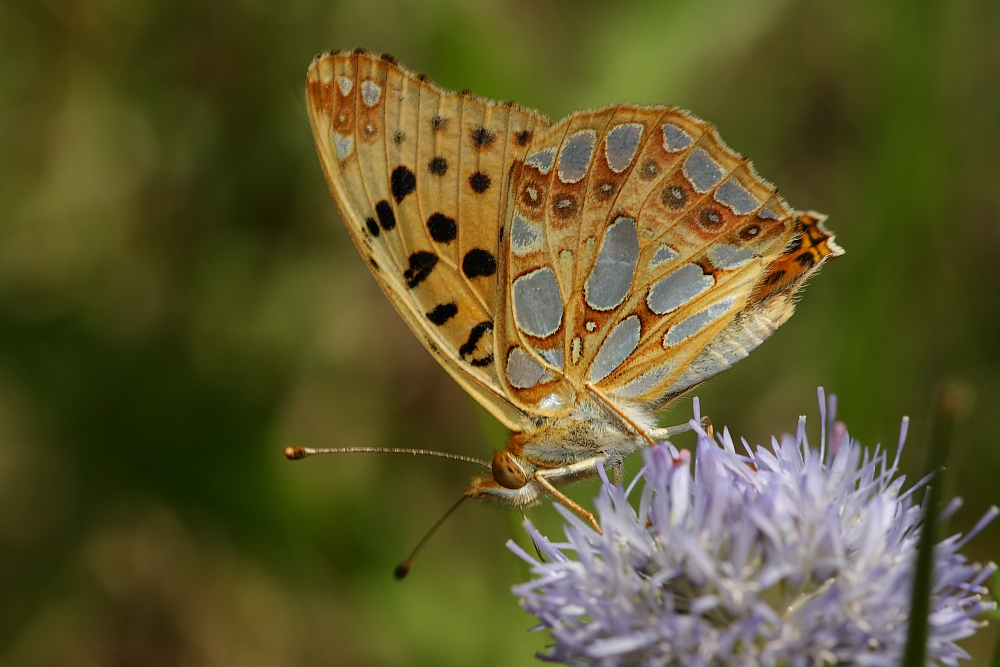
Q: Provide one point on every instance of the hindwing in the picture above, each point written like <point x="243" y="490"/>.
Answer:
<point x="643" y="257"/>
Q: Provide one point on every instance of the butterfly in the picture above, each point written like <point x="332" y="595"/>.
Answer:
<point x="573" y="277"/>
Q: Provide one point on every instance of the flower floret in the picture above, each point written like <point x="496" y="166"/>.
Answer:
<point x="787" y="555"/>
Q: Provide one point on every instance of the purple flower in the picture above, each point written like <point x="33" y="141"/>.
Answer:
<point x="781" y="556"/>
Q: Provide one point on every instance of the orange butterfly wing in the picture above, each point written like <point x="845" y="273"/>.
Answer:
<point x="643" y="257"/>
<point x="419" y="176"/>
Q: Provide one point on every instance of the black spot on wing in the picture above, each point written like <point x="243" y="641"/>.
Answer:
<point x="605" y="190"/>
<point x="485" y="361"/>
<point x="403" y="182"/>
<point x="477" y="332"/>
<point x="372" y="226"/>
<point x="750" y="232"/>
<point x="479" y="262"/>
<point x="482" y="138"/>
<point x="439" y="123"/>
<point x="649" y="170"/>
<point x="709" y="217"/>
<point x="469" y="346"/>
<point x="774" y="278"/>
<point x="442" y="313"/>
<point x="442" y="228"/>
<point x="421" y="265"/>
<point x="564" y="206"/>
<point x="438" y="166"/>
<point x="805" y="260"/>
<point x="385" y="215"/>
<point x="479" y="182"/>
<point x="523" y="137"/>
<point x="673" y="197"/>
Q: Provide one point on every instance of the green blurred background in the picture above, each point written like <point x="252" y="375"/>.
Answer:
<point x="179" y="302"/>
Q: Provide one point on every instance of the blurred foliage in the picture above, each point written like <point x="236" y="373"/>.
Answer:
<point x="179" y="302"/>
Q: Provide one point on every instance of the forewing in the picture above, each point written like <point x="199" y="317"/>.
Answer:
<point x="419" y="174"/>
<point x="638" y="244"/>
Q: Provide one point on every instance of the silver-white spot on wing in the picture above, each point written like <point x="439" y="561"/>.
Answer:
<point x="677" y="288"/>
<point x="611" y="278"/>
<point x="526" y="236"/>
<point x="645" y="382"/>
<point x="702" y="171"/>
<point x="345" y="85"/>
<point x="344" y="145"/>
<point x="766" y="214"/>
<point x="729" y="256"/>
<point x="695" y="323"/>
<point x="621" y="144"/>
<point x="542" y="160"/>
<point x="523" y="371"/>
<point x="538" y="307"/>
<point x="617" y="347"/>
<point x="575" y="156"/>
<point x="675" y="139"/>
<point x="553" y="357"/>
<point x="663" y="254"/>
<point x="736" y="197"/>
<point x="370" y="92"/>
<point x="551" y="402"/>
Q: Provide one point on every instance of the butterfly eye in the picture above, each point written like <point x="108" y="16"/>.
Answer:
<point x="506" y="473"/>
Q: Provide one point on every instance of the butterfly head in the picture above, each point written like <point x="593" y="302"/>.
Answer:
<point x="512" y="482"/>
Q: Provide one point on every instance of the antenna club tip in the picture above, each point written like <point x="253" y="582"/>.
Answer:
<point x="292" y="453"/>
<point x="402" y="570"/>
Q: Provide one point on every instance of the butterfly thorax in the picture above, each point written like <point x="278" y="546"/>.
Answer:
<point x="584" y="433"/>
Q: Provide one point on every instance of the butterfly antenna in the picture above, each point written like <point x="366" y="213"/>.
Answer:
<point x="294" y="453"/>
<point x="404" y="568"/>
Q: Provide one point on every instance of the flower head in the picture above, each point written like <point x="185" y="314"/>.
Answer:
<point x="781" y="556"/>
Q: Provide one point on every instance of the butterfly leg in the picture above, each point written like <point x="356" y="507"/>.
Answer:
<point x="616" y="466"/>
<point x="657" y="434"/>
<point x="660" y="434"/>
<point x="543" y="477"/>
